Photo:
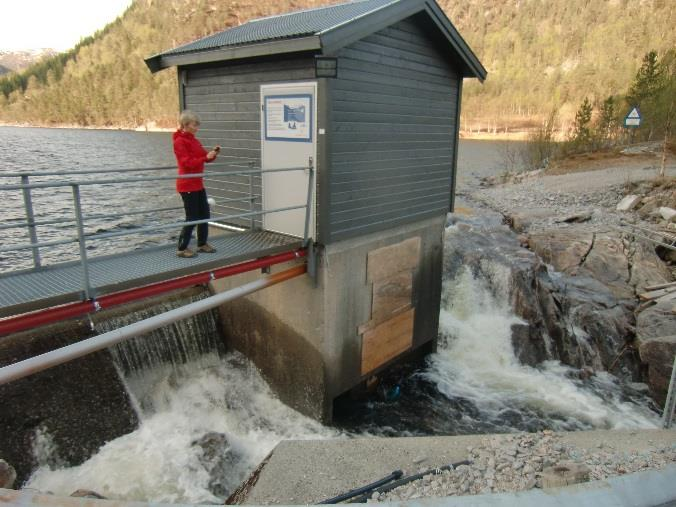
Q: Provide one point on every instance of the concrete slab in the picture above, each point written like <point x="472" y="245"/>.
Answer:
<point x="307" y="472"/>
<point x="654" y="488"/>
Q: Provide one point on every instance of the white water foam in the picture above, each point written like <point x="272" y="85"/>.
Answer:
<point x="159" y="461"/>
<point x="475" y="361"/>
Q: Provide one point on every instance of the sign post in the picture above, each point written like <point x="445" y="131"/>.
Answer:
<point x="633" y="118"/>
<point x="633" y="121"/>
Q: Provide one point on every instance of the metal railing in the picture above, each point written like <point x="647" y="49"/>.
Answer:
<point x="80" y="219"/>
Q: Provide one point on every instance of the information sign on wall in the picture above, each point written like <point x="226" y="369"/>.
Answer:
<point x="288" y="118"/>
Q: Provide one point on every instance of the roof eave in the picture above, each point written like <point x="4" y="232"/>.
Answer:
<point x="342" y="35"/>
<point x="162" y="61"/>
<point x="474" y="66"/>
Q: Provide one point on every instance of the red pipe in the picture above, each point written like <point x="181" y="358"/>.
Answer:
<point x="50" y="315"/>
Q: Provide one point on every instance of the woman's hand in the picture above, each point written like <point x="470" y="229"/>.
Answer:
<point x="212" y="155"/>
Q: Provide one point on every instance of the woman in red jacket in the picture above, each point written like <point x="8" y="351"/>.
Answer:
<point x="191" y="157"/>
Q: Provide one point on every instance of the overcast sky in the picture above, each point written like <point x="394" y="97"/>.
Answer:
<point x="56" y="24"/>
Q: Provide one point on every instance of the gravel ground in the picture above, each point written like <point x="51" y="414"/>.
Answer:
<point x="546" y="201"/>
<point x="516" y="463"/>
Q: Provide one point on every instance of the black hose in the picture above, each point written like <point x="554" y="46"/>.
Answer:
<point x="364" y="489"/>
<point x="405" y="480"/>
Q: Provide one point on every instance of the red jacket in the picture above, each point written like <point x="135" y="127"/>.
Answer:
<point x="190" y="156"/>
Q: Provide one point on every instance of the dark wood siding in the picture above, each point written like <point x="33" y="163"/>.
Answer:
<point x="392" y="133"/>
<point x="227" y="100"/>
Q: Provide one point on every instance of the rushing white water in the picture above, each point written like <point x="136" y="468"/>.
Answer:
<point x="476" y="361"/>
<point x="206" y="424"/>
<point x="224" y="398"/>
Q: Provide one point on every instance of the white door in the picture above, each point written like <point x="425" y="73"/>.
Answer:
<point x="288" y="139"/>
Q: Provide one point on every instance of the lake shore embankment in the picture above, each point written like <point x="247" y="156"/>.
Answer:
<point x="149" y="127"/>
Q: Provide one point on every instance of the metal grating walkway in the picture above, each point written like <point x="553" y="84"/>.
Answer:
<point x="29" y="290"/>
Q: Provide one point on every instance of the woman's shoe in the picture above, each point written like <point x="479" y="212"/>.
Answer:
<point x="206" y="248"/>
<point x="187" y="253"/>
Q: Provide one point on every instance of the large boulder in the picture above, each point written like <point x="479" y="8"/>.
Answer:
<point x="221" y="461"/>
<point x="607" y="262"/>
<point x="7" y="475"/>
<point x="565" y="250"/>
<point x="658" y="354"/>
<point x="657" y="320"/>
<point x="646" y="267"/>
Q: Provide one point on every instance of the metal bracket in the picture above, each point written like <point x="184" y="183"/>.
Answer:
<point x="91" y="322"/>
<point x="312" y="262"/>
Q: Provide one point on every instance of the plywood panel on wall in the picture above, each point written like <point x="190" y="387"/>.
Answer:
<point x="391" y="296"/>
<point x="387" y="340"/>
<point x="389" y="331"/>
<point x="384" y="262"/>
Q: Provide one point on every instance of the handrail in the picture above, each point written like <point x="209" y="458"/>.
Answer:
<point x="58" y="184"/>
<point x="174" y="225"/>
<point x="37" y="174"/>
<point x="94" y="171"/>
<point x="87" y="171"/>
<point x="29" y="222"/>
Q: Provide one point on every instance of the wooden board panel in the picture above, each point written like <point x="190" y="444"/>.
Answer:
<point x="387" y="341"/>
<point x="391" y="296"/>
<point x="384" y="262"/>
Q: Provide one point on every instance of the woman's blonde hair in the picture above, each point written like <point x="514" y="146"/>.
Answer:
<point x="186" y="117"/>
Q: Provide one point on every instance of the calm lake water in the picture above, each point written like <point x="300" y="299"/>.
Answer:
<point x="38" y="149"/>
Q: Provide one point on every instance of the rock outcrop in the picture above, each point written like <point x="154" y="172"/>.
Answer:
<point x="576" y="319"/>
<point x="658" y="353"/>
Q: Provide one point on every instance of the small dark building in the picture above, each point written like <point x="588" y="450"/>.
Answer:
<point x="371" y="91"/>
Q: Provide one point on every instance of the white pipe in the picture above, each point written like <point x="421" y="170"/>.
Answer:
<point x="55" y="357"/>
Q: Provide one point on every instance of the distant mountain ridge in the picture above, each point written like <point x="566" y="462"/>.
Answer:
<point x="4" y="70"/>
<point x="18" y="60"/>
<point x="540" y="54"/>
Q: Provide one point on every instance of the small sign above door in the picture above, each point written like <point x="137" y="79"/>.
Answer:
<point x="288" y="118"/>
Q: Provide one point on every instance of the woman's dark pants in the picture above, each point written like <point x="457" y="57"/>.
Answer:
<point x="196" y="208"/>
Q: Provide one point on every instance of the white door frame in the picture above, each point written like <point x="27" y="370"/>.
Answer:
<point x="265" y="89"/>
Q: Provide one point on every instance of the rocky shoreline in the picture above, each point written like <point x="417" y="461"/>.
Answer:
<point x="571" y="222"/>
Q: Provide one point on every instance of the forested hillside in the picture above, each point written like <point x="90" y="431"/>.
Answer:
<point x="4" y="70"/>
<point x="540" y="54"/>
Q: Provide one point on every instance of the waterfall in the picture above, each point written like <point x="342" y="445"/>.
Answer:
<point x="476" y="362"/>
<point x="207" y="418"/>
<point x="178" y="343"/>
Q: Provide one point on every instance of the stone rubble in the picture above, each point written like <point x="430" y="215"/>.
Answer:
<point x="519" y="463"/>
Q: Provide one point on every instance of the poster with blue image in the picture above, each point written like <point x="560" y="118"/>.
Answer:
<point x="288" y="118"/>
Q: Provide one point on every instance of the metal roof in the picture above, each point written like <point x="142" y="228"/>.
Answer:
<point x="285" y="26"/>
<point x="323" y="30"/>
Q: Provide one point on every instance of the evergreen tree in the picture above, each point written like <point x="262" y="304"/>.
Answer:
<point x="582" y="128"/>
<point x="607" y="123"/>
<point x="647" y="81"/>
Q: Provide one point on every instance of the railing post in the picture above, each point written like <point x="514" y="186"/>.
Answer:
<point x="670" y="402"/>
<point x="30" y="218"/>
<point x="88" y="293"/>
<point x="252" y="224"/>
<point x="308" y="207"/>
